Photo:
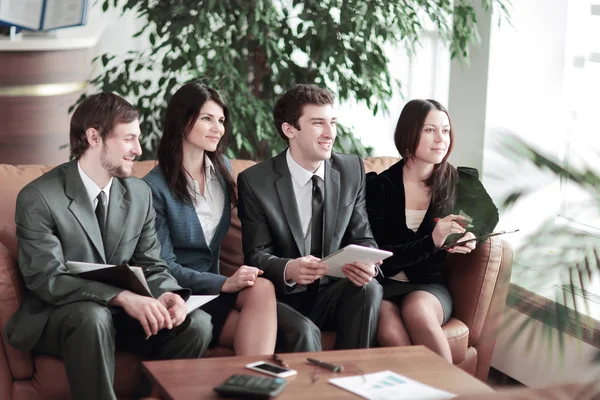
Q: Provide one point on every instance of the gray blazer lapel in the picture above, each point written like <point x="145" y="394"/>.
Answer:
<point x="285" y="190"/>
<point x="331" y="206"/>
<point x="81" y="207"/>
<point x="118" y="212"/>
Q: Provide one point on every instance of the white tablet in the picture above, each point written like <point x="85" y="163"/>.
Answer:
<point x="351" y="254"/>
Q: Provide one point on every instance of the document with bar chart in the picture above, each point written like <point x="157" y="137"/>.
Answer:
<point x="388" y="385"/>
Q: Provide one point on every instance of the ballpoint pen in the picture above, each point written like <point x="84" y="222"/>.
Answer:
<point x="323" y="364"/>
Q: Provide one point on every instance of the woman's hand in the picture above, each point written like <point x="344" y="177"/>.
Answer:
<point x="446" y="226"/>
<point x="243" y="277"/>
<point x="465" y="248"/>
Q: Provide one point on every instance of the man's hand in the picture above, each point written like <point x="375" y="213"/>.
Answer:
<point x="151" y="313"/>
<point x="465" y="248"/>
<point x="244" y="276"/>
<point x="305" y="270"/>
<point x="175" y="306"/>
<point x="360" y="274"/>
<point x="445" y="227"/>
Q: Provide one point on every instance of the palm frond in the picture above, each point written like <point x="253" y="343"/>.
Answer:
<point x="557" y="259"/>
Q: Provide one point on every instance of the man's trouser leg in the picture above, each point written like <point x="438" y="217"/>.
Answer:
<point x="83" y="335"/>
<point x="295" y="332"/>
<point x="350" y="310"/>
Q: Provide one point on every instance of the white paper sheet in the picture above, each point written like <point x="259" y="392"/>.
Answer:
<point x="388" y="385"/>
<point x="78" y="267"/>
<point x="196" y="301"/>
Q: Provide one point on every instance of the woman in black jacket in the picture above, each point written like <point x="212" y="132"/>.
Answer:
<point x="415" y="207"/>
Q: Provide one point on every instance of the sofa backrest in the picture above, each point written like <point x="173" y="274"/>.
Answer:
<point x="14" y="178"/>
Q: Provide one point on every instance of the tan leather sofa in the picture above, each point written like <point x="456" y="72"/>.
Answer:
<point x="478" y="282"/>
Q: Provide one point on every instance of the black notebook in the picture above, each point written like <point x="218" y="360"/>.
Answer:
<point x="123" y="276"/>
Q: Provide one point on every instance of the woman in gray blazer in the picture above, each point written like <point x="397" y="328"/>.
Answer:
<point x="193" y="193"/>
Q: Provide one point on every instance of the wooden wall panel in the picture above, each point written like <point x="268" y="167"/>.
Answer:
<point x="36" y="90"/>
<point x="35" y="67"/>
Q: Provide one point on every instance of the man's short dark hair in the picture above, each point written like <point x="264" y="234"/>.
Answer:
<point x="101" y="111"/>
<point x="290" y="105"/>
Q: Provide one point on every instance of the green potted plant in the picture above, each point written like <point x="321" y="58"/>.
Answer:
<point x="252" y="50"/>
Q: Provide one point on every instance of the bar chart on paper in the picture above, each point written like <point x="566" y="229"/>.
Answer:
<point x="386" y="385"/>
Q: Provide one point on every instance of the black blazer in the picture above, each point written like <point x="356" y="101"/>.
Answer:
<point x="271" y="230"/>
<point x="414" y="252"/>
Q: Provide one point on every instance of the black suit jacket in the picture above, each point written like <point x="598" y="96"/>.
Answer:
<point x="271" y="230"/>
<point x="414" y="252"/>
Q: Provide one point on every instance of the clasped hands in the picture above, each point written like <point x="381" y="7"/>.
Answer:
<point x="305" y="270"/>
<point x="168" y="311"/>
<point x="447" y="226"/>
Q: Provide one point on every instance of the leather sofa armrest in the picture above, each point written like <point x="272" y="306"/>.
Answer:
<point x="472" y="279"/>
<point x="6" y="379"/>
<point x="232" y="255"/>
<point x="11" y="295"/>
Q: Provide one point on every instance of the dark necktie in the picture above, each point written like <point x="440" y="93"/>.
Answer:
<point x="316" y="236"/>
<point x="101" y="212"/>
<point x="316" y="225"/>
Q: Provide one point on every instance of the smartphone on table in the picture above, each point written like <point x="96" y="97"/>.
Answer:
<point x="271" y="369"/>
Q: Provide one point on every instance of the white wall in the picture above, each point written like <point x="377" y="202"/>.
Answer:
<point x="423" y="75"/>
<point x="117" y="34"/>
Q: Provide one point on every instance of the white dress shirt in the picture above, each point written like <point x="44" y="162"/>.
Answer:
<point x="94" y="190"/>
<point x="301" y="180"/>
<point x="413" y="221"/>
<point x="208" y="207"/>
<point x="302" y="184"/>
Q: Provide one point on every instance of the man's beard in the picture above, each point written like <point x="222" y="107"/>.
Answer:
<point x="116" y="171"/>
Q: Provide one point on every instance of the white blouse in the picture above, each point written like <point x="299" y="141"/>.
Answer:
<point x="413" y="221"/>
<point x="209" y="207"/>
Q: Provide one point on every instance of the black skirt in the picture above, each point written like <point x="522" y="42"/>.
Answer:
<point x="219" y="310"/>
<point x="395" y="291"/>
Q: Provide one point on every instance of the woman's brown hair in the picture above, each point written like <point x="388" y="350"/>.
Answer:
<point x="182" y="113"/>
<point x="408" y="133"/>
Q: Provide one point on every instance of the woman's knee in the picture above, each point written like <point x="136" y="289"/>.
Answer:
<point x="262" y="291"/>
<point x="391" y="330"/>
<point x="264" y="286"/>
<point x="422" y="309"/>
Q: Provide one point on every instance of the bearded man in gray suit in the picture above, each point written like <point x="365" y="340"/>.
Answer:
<point x="90" y="210"/>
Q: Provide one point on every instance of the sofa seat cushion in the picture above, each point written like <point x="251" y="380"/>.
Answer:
<point x="50" y="376"/>
<point x="457" y="334"/>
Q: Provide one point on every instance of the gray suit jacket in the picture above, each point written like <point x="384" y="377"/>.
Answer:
<point x="271" y="229"/>
<point x="56" y="223"/>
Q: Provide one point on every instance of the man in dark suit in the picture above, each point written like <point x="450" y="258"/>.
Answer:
<point x="305" y="204"/>
<point x="90" y="210"/>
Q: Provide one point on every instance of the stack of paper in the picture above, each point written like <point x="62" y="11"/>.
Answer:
<point x="388" y="385"/>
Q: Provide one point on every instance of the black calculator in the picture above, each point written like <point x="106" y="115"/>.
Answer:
<point x="251" y="386"/>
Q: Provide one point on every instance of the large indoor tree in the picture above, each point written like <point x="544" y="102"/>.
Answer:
<point x="253" y="50"/>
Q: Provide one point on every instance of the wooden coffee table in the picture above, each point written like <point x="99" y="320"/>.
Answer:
<point x="195" y="379"/>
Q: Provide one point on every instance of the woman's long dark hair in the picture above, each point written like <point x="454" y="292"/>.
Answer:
<point x="182" y="113"/>
<point x="443" y="180"/>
